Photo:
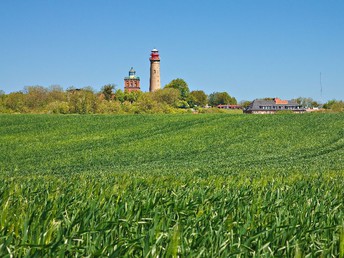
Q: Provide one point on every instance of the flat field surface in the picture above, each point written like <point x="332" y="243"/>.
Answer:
<point x="207" y="185"/>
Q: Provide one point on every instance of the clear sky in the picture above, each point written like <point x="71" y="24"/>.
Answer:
<point x="249" y="48"/>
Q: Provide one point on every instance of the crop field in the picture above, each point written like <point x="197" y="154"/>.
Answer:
<point x="206" y="185"/>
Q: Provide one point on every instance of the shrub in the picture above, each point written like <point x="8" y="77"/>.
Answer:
<point x="57" y="107"/>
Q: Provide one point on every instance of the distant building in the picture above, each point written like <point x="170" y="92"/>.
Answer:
<point x="229" y="106"/>
<point x="132" y="82"/>
<point x="271" y="106"/>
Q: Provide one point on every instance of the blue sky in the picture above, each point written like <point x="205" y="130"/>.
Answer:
<point x="251" y="49"/>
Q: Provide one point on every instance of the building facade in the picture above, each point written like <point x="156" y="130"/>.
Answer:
<point x="132" y="82"/>
<point x="271" y="106"/>
<point x="229" y="106"/>
<point x="154" y="82"/>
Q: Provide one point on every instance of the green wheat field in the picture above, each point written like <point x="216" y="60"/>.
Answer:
<point x="206" y="185"/>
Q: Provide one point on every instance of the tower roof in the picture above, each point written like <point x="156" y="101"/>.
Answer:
<point x="132" y="75"/>
<point x="132" y="70"/>
<point x="155" y="50"/>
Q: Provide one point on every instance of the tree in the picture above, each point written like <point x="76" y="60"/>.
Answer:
<point x="182" y="104"/>
<point x="334" y="105"/>
<point x="56" y="93"/>
<point x="307" y="102"/>
<point x="338" y="106"/>
<point x="15" y="102"/>
<point x="57" y="107"/>
<point x="82" y="101"/>
<point x="2" y="95"/>
<point x="180" y="85"/>
<point x="168" y="96"/>
<point x="71" y="88"/>
<point x="245" y="103"/>
<point x="88" y="89"/>
<point x="36" y="97"/>
<point x="131" y="96"/>
<point x="146" y="104"/>
<point x="221" y="98"/>
<point x="2" y="100"/>
<point x="119" y="95"/>
<point x="197" y="98"/>
<point x="107" y="91"/>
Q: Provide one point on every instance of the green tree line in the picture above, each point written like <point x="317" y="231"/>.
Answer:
<point x="175" y="97"/>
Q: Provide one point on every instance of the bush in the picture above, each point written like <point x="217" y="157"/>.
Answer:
<point x="182" y="104"/>
<point x="57" y="107"/>
<point x="168" y="95"/>
<point x="109" y="107"/>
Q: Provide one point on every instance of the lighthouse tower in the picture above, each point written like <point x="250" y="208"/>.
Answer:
<point x="154" y="83"/>
<point x="132" y="82"/>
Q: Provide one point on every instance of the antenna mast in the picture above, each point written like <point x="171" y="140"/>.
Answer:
<point x="321" y="89"/>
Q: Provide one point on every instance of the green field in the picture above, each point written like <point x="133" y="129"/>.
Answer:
<point x="206" y="185"/>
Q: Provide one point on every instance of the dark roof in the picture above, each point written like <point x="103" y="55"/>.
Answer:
<point x="273" y="104"/>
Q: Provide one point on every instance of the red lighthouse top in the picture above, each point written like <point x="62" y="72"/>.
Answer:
<point x="155" y="55"/>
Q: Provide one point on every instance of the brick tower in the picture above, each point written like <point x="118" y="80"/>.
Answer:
<point x="132" y="82"/>
<point x="154" y="83"/>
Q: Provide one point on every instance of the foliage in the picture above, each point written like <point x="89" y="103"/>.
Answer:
<point x="180" y="85"/>
<point x="245" y="103"/>
<point x="197" y="98"/>
<point x="157" y="102"/>
<point x="58" y="107"/>
<point x="146" y="104"/>
<point x="109" y="107"/>
<point x="15" y="102"/>
<point x="168" y="96"/>
<point x="56" y="93"/>
<point x="207" y="185"/>
<point x="221" y="98"/>
<point x="307" y="102"/>
<point x="174" y="98"/>
<point x="334" y="105"/>
<point x="107" y="91"/>
<point x="132" y="96"/>
<point x="119" y="96"/>
<point x="36" y="97"/>
<point x="53" y="100"/>
<point x="82" y="101"/>
<point x="182" y="104"/>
